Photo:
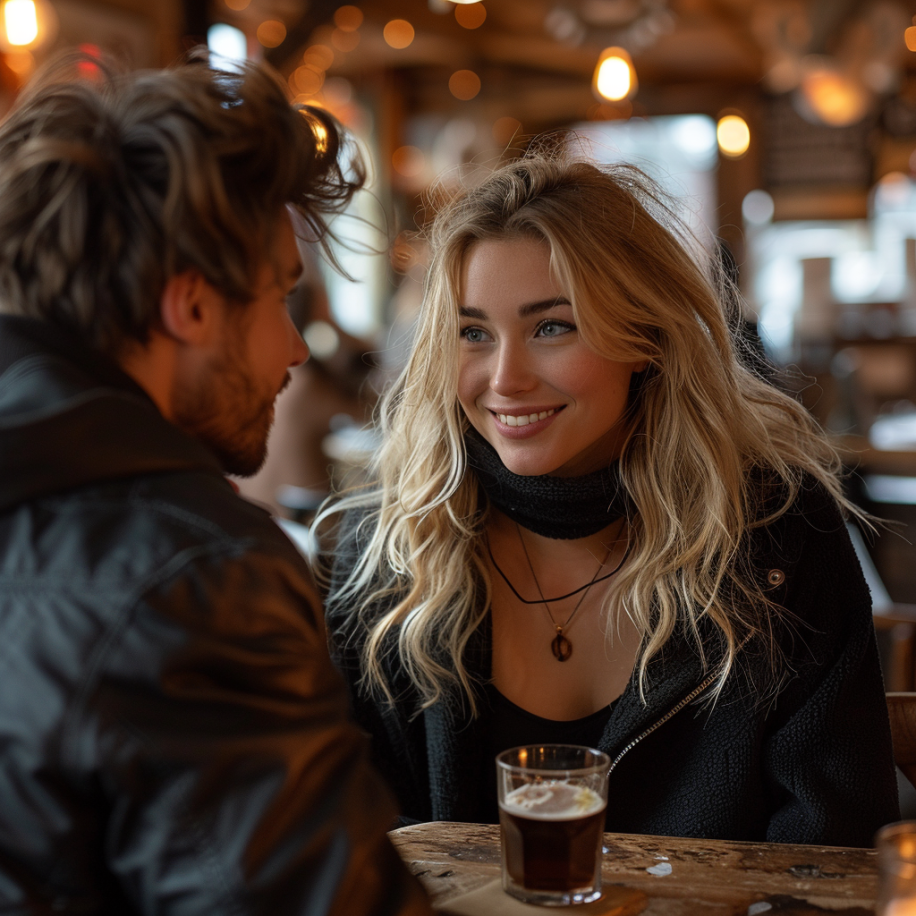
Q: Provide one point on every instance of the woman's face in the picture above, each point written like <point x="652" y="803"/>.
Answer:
<point x="527" y="382"/>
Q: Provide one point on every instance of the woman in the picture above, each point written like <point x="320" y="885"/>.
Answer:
<point x="593" y="524"/>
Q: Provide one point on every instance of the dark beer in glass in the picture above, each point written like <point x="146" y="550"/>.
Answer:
<point x="552" y="800"/>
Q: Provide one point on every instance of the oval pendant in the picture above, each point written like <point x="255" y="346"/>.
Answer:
<point x="562" y="647"/>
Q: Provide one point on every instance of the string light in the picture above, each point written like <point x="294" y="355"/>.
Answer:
<point x="471" y="16"/>
<point x="464" y="84"/>
<point x="348" y="18"/>
<point x="398" y="33"/>
<point x="271" y="33"/>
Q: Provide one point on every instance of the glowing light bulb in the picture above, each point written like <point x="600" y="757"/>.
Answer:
<point x="734" y="136"/>
<point x="20" y="18"/>
<point x="615" y="77"/>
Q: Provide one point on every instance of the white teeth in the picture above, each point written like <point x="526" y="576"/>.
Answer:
<point x="511" y="420"/>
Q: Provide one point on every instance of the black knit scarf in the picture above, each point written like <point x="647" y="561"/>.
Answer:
<point x="562" y="508"/>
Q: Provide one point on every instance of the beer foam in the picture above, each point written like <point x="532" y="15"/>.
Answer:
<point x="553" y="800"/>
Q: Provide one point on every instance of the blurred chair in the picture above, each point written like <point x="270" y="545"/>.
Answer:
<point x="895" y="624"/>
<point x="901" y="708"/>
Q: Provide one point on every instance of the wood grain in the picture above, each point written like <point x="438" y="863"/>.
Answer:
<point x="707" y="876"/>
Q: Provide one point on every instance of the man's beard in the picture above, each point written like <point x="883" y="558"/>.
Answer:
<point x="227" y="411"/>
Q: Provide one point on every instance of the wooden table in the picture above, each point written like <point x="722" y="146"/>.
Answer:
<point x="706" y="876"/>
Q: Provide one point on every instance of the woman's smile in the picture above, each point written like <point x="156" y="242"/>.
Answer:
<point x="521" y="425"/>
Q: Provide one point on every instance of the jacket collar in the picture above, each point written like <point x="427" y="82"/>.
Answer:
<point x="70" y="417"/>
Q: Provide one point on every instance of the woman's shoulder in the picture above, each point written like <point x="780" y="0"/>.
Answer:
<point x="799" y="533"/>
<point x="805" y="502"/>
<point x="804" y="556"/>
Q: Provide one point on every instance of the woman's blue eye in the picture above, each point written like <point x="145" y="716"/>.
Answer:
<point x="473" y="335"/>
<point x="551" y="328"/>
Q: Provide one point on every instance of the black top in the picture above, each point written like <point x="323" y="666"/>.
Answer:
<point x="815" y="766"/>
<point x="512" y="726"/>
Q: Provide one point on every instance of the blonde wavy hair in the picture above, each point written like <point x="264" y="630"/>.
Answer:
<point x="710" y="441"/>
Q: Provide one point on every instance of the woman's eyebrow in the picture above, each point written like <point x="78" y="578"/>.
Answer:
<point x="524" y="311"/>
<point x="533" y="308"/>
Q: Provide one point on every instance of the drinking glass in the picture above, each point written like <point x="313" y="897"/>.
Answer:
<point x="896" y="845"/>
<point x="552" y="799"/>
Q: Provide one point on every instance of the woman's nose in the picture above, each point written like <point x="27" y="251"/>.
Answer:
<point x="512" y="371"/>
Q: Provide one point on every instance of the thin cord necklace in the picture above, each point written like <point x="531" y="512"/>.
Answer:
<point x="575" y="591"/>
<point x="560" y="645"/>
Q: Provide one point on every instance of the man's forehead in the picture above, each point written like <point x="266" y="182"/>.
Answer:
<point x="285" y="251"/>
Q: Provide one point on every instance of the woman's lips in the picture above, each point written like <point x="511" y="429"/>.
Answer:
<point x="523" y="426"/>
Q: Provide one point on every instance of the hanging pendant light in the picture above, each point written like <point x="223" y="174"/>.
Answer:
<point x="26" y="24"/>
<point x="615" y="76"/>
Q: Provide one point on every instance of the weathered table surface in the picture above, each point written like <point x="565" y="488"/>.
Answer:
<point x="706" y="876"/>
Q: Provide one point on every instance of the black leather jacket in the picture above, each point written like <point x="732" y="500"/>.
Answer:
<point x="173" y="736"/>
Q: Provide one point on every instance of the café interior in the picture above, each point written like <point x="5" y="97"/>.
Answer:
<point x="786" y="129"/>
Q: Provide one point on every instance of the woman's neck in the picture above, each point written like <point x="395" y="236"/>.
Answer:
<point x="559" y="565"/>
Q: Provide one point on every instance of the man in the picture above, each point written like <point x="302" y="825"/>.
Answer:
<point x="173" y="737"/>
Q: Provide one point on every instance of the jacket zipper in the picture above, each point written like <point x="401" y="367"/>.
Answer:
<point x="671" y="712"/>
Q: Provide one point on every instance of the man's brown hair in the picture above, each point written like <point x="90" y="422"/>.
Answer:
<point x="110" y="183"/>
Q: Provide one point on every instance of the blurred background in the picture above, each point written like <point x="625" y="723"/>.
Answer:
<point x="787" y="128"/>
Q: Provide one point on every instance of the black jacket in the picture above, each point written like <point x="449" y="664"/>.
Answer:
<point x="815" y="766"/>
<point x="173" y="736"/>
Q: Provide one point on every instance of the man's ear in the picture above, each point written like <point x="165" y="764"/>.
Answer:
<point x="189" y="308"/>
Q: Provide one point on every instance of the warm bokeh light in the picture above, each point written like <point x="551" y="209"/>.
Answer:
<point x="506" y="129"/>
<point x="398" y="33"/>
<point x="319" y="57"/>
<point x="471" y="16"/>
<point x="306" y="80"/>
<point x="464" y="84"/>
<point x="22" y="63"/>
<point x="237" y="5"/>
<point x="408" y="161"/>
<point x="909" y="36"/>
<point x="20" y="19"/>
<point x="271" y="33"/>
<point x="344" y="41"/>
<point x="348" y="18"/>
<point x="615" y="77"/>
<point x="834" y="98"/>
<point x="733" y="135"/>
